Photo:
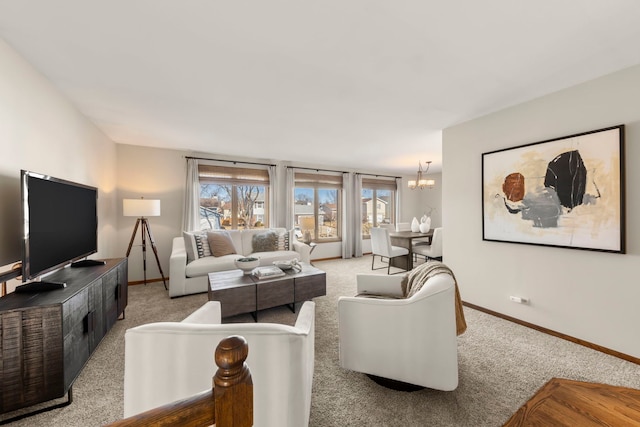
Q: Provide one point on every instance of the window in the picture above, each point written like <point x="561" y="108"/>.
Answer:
<point x="317" y="206"/>
<point x="233" y="198"/>
<point x="378" y="203"/>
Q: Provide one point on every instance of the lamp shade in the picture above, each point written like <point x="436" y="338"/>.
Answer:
<point x="141" y="207"/>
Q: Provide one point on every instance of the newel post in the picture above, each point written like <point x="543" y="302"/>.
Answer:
<point x="232" y="384"/>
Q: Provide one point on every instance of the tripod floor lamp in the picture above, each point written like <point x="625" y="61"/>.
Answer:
<point x="143" y="208"/>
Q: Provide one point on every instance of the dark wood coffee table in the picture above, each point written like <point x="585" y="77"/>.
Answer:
<point x="244" y="293"/>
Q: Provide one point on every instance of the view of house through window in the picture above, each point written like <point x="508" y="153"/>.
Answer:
<point x="317" y="206"/>
<point x="233" y="198"/>
<point x="378" y="204"/>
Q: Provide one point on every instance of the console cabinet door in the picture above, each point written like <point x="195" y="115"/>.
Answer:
<point x="111" y="291"/>
<point x="31" y="368"/>
<point x="76" y="324"/>
<point x="123" y="285"/>
<point x="96" y="322"/>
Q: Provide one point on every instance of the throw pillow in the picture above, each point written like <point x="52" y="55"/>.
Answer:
<point x="202" y="245"/>
<point x="283" y="241"/>
<point x="196" y="245"/>
<point x="190" y="245"/>
<point x="220" y="243"/>
<point x="266" y="241"/>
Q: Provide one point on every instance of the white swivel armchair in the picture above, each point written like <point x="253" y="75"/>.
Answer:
<point x="168" y="361"/>
<point x="410" y="340"/>
<point x="432" y="251"/>
<point x="381" y="246"/>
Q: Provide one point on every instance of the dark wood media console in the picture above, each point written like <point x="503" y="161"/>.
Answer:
<point x="47" y="337"/>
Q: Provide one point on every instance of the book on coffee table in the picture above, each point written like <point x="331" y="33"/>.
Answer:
<point x="267" y="272"/>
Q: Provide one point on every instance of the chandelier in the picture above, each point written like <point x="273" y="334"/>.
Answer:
<point x="421" y="182"/>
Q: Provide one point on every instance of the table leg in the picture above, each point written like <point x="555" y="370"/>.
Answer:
<point x="405" y="263"/>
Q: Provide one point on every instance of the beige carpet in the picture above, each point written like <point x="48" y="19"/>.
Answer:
<point x="501" y="366"/>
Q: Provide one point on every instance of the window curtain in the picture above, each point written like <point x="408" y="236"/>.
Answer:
<point x="347" y="216"/>
<point x="357" y="215"/>
<point x="398" y="200"/>
<point x="273" y="203"/>
<point x="290" y="184"/>
<point x="191" y="211"/>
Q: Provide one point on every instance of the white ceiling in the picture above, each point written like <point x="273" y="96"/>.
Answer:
<point x="358" y="84"/>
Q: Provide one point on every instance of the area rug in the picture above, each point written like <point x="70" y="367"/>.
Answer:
<point x="501" y="365"/>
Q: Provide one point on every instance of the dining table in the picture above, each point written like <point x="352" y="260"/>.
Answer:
<point x="406" y="239"/>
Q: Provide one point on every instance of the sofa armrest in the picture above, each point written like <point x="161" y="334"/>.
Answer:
<point x="378" y="284"/>
<point x="177" y="268"/>
<point x="210" y="313"/>
<point x="302" y="249"/>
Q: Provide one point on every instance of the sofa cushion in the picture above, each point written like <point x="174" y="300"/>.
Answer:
<point x="220" y="243"/>
<point x="210" y="264"/>
<point x="265" y="241"/>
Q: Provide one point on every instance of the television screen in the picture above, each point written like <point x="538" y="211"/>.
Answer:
<point x="60" y="223"/>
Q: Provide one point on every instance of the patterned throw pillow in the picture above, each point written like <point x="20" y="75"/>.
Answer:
<point x="283" y="241"/>
<point x="202" y="245"/>
<point x="190" y="244"/>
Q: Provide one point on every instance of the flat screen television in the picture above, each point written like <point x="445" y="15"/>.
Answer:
<point x="60" y="223"/>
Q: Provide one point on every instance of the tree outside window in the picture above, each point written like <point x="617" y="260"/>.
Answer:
<point x="232" y="206"/>
<point x="233" y="198"/>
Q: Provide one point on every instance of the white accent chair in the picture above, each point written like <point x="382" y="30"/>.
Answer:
<point x="382" y="247"/>
<point x="432" y="251"/>
<point x="410" y="340"/>
<point x="168" y="361"/>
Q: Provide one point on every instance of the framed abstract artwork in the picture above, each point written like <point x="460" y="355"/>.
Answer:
<point x="567" y="192"/>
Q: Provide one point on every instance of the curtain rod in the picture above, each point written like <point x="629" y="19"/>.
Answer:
<point x="230" y="161"/>
<point x="288" y="167"/>
<point x="384" y="176"/>
<point x="314" y="169"/>
<point x="329" y="170"/>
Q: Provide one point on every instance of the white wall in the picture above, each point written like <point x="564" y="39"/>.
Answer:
<point x="416" y="203"/>
<point x="41" y="131"/>
<point x="151" y="173"/>
<point x="589" y="295"/>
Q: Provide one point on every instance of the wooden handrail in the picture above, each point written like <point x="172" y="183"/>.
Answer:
<point x="230" y="402"/>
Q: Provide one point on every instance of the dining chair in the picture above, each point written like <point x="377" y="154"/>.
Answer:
<point x="432" y="251"/>
<point x="381" y="246"/>
<point x="391" y="229"/>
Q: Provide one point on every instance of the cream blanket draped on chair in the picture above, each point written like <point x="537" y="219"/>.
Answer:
<point x="419" y="275"/>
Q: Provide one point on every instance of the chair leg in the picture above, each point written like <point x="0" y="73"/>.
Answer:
<point x="373" y="258"/>
<point x="401" y="271"/>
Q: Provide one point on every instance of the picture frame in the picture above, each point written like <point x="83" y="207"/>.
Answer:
<point x="567" y="192"/>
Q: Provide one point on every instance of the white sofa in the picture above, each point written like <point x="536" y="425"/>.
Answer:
<point x="168" y="361"/>
<point x="189" y="276"/>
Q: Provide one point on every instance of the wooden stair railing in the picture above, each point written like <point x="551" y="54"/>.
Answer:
<point x="228" y="404"/>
